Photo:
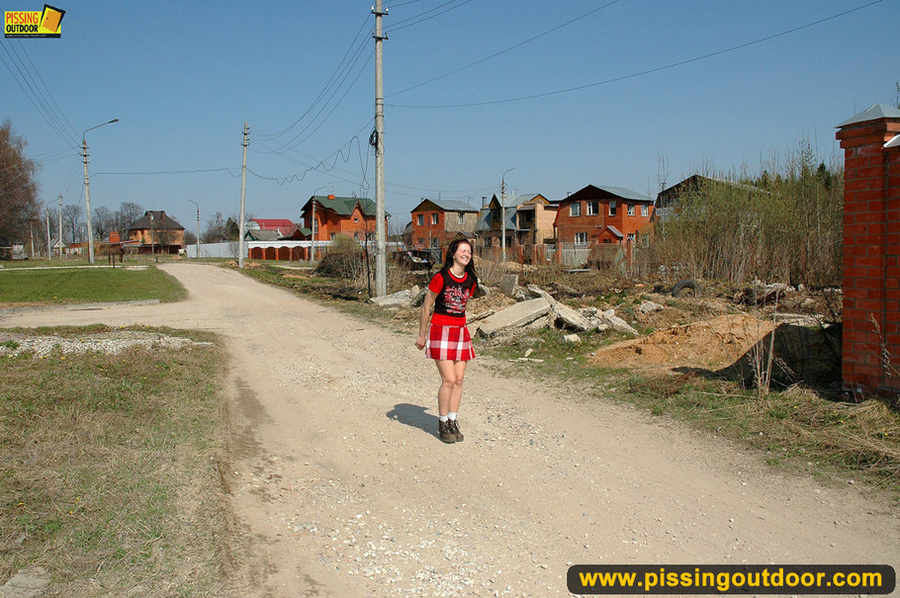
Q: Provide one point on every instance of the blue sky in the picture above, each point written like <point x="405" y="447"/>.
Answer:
<point x="567" y="94"/>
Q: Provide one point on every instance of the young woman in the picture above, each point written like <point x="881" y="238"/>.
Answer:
<point x="447" y="339"/>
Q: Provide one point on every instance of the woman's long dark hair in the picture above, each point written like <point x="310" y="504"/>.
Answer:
<point x="451" y="251"/>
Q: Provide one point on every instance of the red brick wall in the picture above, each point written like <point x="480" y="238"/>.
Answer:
<point x="424" y="234"/>
<point x="871" y="329"/>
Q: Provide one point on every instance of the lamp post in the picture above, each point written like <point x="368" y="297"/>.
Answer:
<point x="87" y="188"/>
<point x="503" y="214"/>
<point x="198" y="226"/>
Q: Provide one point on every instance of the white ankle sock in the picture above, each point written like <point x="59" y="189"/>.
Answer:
<point x="452" y="416"/>
<point x="443" y="418"/>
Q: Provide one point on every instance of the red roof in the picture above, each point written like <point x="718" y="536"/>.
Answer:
<point x="284" y="225"/>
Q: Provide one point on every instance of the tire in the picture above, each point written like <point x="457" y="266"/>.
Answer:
<point x="686" y="285"/>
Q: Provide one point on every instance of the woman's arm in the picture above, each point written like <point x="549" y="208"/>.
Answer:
<point x="427" y="304"/>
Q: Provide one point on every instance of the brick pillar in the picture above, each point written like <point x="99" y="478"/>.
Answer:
<point x="871" y="314"/>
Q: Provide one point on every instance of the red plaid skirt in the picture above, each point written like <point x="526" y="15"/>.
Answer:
<point x="449" y="342"/>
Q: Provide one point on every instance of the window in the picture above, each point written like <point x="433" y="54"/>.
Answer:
<point x="593" y="208"/>
<point x="631" y="209"/>
<point x="461" y="218"/>
<point x="612" y="208"/>
<point x="420" y="219"/>
<point x="435" y="243"/>
<point x="581" y="239"/>
<point x="575" y="209"/>
<point x="355" y="219"/>
<point x="434" y="218"/>
<point x="631" y="238"/>
<point x="645" y="210"/>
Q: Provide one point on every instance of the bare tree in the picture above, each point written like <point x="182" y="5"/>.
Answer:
<point x="104" y="222"/>
<point x="19" y="207"/>
<point x="127" y="214"/>
<point x="73" y="219"/>
<point x="215" y="229"/>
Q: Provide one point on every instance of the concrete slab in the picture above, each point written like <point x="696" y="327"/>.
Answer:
<point x="514" y="316"/>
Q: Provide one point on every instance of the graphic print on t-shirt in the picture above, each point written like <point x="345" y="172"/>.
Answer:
<point x="455" y="298"/>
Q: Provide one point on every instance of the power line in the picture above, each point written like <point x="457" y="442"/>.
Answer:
<point x="411" y="21"/>
<point x="648" y="71"/>
<point x="504" y="51"/>
<point x="29" y="86"/>
<point x="339" y="69"/>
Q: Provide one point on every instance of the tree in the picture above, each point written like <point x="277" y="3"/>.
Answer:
<point x="72" y="221"/>
<point x="19" y="207"/>
<point x="127" y="214"/>
<point x="104" y="222"/>
<point x="215" y="229"/>
<point x="232" y="230"/>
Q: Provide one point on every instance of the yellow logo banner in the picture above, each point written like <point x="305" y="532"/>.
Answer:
<point x="30" y="23"/>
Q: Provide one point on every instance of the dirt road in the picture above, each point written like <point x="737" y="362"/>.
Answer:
<point x="342" y="488"/>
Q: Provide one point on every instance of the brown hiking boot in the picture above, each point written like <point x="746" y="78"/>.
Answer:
<point x="445" y="431"/>
<point x="454" y="427"/>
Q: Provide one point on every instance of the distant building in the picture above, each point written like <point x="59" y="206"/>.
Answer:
<point x="436" y="222"/>
<point x="603" y="215"/>
<point x="157" y="232"/>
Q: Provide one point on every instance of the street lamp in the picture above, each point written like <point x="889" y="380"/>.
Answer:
<point x="87" y="188"/>
<point x="198" y="226"/>
<point x="503" y="213"/>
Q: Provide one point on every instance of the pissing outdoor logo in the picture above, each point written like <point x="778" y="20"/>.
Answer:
<point x="33" y="23"/>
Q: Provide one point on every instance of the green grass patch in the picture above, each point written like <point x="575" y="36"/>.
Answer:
<point x="110" y="468"/>
<point x="60" y="286"/>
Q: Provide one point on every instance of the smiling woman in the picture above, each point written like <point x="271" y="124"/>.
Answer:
<point x="42" y="286"/>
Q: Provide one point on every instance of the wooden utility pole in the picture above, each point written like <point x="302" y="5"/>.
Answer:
<point x="245" y="143"/>
<point x="380" y="258"/>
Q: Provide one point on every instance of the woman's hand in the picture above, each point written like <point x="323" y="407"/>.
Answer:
<point x="420" y="342"/>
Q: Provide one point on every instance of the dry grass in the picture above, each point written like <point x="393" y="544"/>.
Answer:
<point x="110" y="472"/>
<point x="797" y="428"/>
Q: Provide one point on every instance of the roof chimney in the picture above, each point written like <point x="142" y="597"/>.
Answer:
<point x="331" y="196"/>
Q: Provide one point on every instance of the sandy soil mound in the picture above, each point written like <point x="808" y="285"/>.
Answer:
<point x="710" y="344"/>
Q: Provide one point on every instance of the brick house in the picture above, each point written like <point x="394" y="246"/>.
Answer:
<point x="602" y="215"/>
<point x="871" y="310"/>
<point x="436" y="222"/>
<point x="157" y="232"/>
<point x="350" y="216"/>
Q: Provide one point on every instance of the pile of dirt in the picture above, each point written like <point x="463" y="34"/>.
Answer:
<point x="710" y="344"/>
<point x="734" y="346"/>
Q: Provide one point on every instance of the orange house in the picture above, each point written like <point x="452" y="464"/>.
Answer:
<point x="328" y="216"/>
<point x="156" y="231"/>
<point x="602" y="215"/>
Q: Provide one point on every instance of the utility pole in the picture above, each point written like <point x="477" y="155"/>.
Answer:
<point x="59" y="239"/>
<point x="503" y="214"/>
<point x="380" y="258"/>
<point x="245" y="143"/>
<point x="49" y="240"/>
<point x="198" y="226"/>
<point x="87" y="188"/>
<point x="87" y="199"/>
<point x="312" y="245"/>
